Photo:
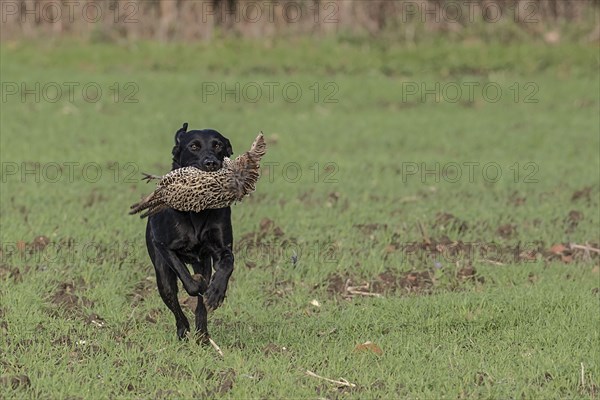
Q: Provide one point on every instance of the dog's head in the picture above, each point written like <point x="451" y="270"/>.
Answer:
<point x="203" y="149"/>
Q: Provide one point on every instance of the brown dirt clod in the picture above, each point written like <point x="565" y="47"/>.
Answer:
<point x="40" y="242"/>
<point x="226" y="381"/>
<point x="272" y="348"/>
<point x="584" y="193"/>
<point x="65" y="298"/>
<point x="447" y="221"/>
<point x="507" y="231"/>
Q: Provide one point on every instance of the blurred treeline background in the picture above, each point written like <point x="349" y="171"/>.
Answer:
<point x="409" y="21"/>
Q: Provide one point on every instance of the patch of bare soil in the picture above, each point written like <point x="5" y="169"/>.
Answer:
<point x="416" y="282"/>
<point x="590" y="389"/>
<point x="442" y="251"/>
<point x="3" y="323"/>
<point x="572" y="252"/>
<point x="63" y="341"/>
<point x="448" y="222"/>
<point x="96" y="320"/>
<point x="37" y="251"/>
<point x="572" y="220"/>
<point x="165" y="394"/>
<point x="13" y="273"/>
<point x="431" y="251"/>
<point x="332" y="199"/>
<point x="15" y="382"/>
<point x="224" y="383"/>
<point x="516" y="200"/>
<point x="144" y="288"/>
<point x="264" y="245"/>
<point x="267" y="229"/>
<point x="76" y="349"/>
<point x="268" y="226"/>
<point x="307" y="197"/>
<point x="467" y="273"/>
<point x="175" y="371"/>
<point x="40" y="242"/>
<point x="273" y="348"/>
<point x="582" y="194"/>
<point x="66" y="299"/>
<point x="68" y="302"/>
<point x="483" y="379"/>
<point x="369" y="229"/>
<point x="507" y="231"/>
<point x="336" y="284"/>
<point x="278" y="290"/>
<point x="348" y="287"/>
<point x="152" y="315"/>
<point x="24" y="251"/>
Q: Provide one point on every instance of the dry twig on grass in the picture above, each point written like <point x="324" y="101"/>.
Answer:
<point x="216" y="347"/>
<point x="341" y="382"/>
<point x="492" y="262"/>
<point x="424" y="234"/>
<point x="362" y="290"/>
<point x="587" y="248"/>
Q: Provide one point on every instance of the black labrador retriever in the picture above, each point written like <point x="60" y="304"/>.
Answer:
<point x="204" y="240"/>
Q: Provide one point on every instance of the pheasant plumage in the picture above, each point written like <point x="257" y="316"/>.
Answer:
<point x="191" y="189"/>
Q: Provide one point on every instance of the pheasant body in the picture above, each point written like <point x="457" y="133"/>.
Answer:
<point x="191" y="189"/>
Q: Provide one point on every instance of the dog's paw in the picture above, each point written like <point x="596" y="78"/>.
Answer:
<point x="182" y="332"/>
<point x="202" y="338"/>
<point x="195" y="288"/>
<point x="213" y="297"/>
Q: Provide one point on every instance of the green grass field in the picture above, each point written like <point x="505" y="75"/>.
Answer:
<point x="447" y="227"/>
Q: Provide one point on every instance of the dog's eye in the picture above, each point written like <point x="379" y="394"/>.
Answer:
<point x="217" y="146"/>
<point x="194" y="147"/>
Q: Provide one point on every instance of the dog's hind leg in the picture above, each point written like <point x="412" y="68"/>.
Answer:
<point x="202" y="267"/>
<point x="192" y="287"/>
<point x="166" y="280"/>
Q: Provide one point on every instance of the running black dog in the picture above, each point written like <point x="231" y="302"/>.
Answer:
<point x="203" y="239"/>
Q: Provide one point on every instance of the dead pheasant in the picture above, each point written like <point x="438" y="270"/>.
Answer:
<point x="191" y="189"/>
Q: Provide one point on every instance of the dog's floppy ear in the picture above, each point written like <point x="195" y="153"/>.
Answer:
<point x="228" y="148"/>
<point x="176" y="149"/>
<point x="180" y="132"/>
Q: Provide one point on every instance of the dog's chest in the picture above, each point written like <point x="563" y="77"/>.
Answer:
<point x="191" y="233"/>
<point x="190" y="248"/>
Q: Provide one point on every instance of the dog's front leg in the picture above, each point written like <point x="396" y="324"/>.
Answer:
<point x="223" y="264"/>
<point x="192" y="287"/>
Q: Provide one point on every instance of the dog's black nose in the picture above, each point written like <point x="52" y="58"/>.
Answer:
<point x="211" y="165"/>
